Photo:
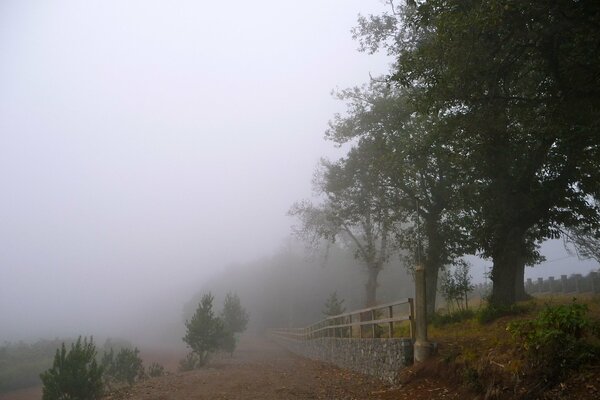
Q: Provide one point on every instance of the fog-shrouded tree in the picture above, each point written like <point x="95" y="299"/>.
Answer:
<point x="519" y="84"/>
<point x="355" y="209"/>
<point x="205" y="331"/>
<point x="235" y="317"/>
<point x="333" y="305"/>
<point x="415" y="156"/>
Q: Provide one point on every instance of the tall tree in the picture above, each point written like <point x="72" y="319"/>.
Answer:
<point x="356" y="209"/>
<point x="415" y="156"/>
<point x="519" y="82"/>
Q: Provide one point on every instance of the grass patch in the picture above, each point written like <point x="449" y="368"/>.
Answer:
<point x="439" y="320"/>
<point x="490" y="312"/>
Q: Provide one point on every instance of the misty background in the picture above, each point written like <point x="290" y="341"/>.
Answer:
<point x="149" y="150"/>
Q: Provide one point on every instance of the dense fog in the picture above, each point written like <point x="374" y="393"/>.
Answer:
<point x="149" y="152"/>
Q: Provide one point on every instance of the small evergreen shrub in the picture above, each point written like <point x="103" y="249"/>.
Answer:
<point x="123" y="368"/>
<point x="205" y="331"/>
<point x="557" y="341"/>
<point x="75" y="374"/>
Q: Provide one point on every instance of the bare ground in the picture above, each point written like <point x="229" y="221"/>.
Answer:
<point x="259" y="369"/>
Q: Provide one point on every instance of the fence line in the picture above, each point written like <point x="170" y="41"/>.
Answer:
<point x="352" y="324"/>
<point x="573" y="284"/>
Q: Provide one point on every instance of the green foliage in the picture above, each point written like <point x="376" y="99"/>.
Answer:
<point x="74" y="374"/>
<point x="439" y="320"/>
<point x="556" y="342"/>
<point x="456" y="285"/>
<point x="333" y="306"/>
<point x="155" y="370"/>
<point x="124" y="368"/>
<point x="515" y="88"/>
<point x="492" y="312"/>
<point x="205" y="331"/>
<point x="235" y="318"/>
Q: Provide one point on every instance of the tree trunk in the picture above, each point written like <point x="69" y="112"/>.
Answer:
<point x="433" y="260"/>
<point x="431" y="282"/>
<point x="371" y="286"/>
<point x="507" y="269"/>
<point x="520" y="293"/>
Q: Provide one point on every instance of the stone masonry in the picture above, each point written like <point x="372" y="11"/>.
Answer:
<point x="381" y="357"/>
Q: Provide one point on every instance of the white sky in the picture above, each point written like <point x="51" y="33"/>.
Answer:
<point x="145" y="143"/>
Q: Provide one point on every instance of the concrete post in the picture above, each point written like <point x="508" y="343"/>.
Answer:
<point x="594" y="282"/>
<point x="551" y="284"/>
<point x="423" y="348"/>
<point x="540" y="285"/>
<point x="529" y="286"/>
<point x="564" y="282"/>
<point x="577" y="283"/>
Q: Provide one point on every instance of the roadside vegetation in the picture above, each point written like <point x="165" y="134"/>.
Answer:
<point x="208" y="333"/>
<point x="537" y="349"/>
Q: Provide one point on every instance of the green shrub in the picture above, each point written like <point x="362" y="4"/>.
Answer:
<point x="74" y="374"/>
<point x="556" y="341"/>
<point x="125" y="367"/>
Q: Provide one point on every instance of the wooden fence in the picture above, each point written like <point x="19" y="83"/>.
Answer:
<point x="373" y="322"/>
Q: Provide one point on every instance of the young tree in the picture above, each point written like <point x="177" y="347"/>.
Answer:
<point x="456" y="286"/>
<point x="205" y="331"/>
<point x="235" y="317"/>
<point x="75" y="374"/>
<point x="333" y="306"/>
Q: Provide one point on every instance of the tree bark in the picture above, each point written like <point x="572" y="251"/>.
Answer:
<point x="520" y="293"/>
<point x="433" y="259"/>
<point x="371" y="286"/>
<point x="431" y="282"/>
<point x="507" y="269"/>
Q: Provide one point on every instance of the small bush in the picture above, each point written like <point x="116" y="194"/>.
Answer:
<point x="189" y="363"/>
<point x="556" y="341"/>
<point x="74" y="374"/>
<point x="155" y="370"/>
<point x="125" y="367"/>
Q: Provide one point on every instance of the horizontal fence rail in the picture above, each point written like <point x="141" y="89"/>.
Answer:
<point x="373" y="322"/>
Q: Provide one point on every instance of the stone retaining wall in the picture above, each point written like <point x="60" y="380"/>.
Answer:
<point x="383" y="358"/>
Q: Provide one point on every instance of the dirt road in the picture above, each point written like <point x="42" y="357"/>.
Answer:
<point x="263" y="370"/>
<point x="258" y="370"/>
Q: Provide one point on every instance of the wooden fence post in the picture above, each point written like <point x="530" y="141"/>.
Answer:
<point x="423" y="348"/>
